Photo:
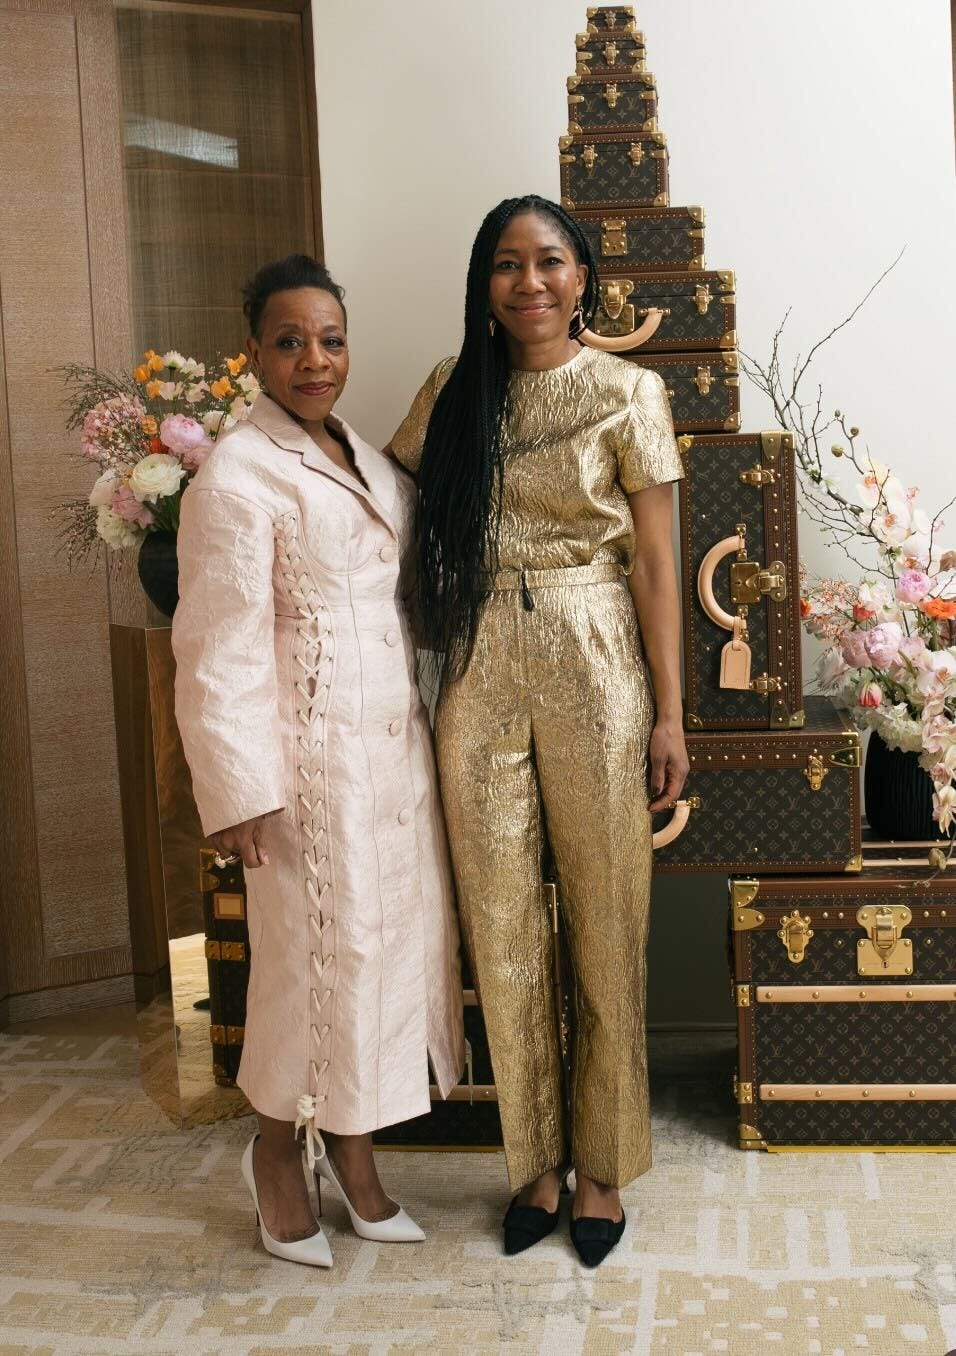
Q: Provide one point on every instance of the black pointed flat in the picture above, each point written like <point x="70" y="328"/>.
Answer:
<point x="593" y="1239"/>
<point x="525" y="1225"/>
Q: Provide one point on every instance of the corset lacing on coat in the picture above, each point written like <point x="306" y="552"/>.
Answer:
<point x="312" y="659"/>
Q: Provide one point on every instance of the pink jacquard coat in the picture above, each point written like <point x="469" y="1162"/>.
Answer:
<point x="295" y="692"/>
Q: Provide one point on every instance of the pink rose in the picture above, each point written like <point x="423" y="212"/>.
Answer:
<point x="871" y="695"/>
<point x="129" y="508"/>
<point x="912" y="586"/>
<point x="186" y="438"/>
<point x="853" y="648"/>
<point x="883" y="643"/>
<point x="914" y="649"/>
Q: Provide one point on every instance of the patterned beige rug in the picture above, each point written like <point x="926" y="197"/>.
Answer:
<point x="119" y="1234"/>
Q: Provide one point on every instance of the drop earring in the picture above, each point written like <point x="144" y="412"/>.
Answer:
<point x="492" y="326"/>
<point x="577" y="322"/>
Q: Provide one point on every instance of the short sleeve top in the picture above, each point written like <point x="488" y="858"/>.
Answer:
<point x="577" y="440"/>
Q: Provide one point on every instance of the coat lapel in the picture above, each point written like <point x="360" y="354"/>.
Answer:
<point x="379" y="489"/>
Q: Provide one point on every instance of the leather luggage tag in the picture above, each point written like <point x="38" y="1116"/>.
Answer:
<point x="735" y="664"/>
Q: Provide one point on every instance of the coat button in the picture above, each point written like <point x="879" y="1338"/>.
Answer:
<point x="391" y="637"/>
<point x="404" y="816"/>
<point x="387" y="553"/>
<point x="395" y="727"/>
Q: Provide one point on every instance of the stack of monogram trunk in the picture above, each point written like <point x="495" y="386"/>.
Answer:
<point x="845" y="983"/>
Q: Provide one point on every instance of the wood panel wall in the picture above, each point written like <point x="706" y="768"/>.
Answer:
<point x="64" y="938"/>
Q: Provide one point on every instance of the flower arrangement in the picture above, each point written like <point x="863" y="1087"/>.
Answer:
<point x="148" y="433"/>
<point x="890" y="637"/>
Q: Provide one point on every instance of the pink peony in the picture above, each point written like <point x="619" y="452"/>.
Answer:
<point x="883" y="643"/>
<point x="914" y="649"/>
<point x="912" y="586"/>
<point x="871" y="695"/>
<point x="853" y="648"/>
<point x="186" y="438"/>
<point x="129" y="508"/>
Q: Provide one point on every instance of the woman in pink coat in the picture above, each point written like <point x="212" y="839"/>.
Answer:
<point x="311" y="759"/>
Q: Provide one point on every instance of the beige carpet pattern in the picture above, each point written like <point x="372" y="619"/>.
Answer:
<point x="122" y="1235"/>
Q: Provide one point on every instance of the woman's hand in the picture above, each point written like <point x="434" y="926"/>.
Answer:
<point x="243" y="840"/>
<point x="668" y="764"/>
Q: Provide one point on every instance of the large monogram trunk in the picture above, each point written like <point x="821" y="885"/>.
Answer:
<point x="740" y="581"/>
<point x="659" y="239"/>
<point x="227" y="961"/>
<point x="614" y="170"/>
<point x="626" y="103"/>
<point x="769" y="801"/>
<point x="703" y="388"/>
<point x="699" y="308"/>
<point x="846" y="1008"/>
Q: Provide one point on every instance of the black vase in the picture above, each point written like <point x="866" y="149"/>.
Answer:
<point x="898" y="794"/>
<point x="159" y="571"/>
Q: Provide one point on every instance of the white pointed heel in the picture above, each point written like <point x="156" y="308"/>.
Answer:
<point x="401" y="1228"/>
<point x="312" y="1252"/>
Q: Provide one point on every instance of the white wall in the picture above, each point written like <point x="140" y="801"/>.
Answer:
<point x="818" y="137"/>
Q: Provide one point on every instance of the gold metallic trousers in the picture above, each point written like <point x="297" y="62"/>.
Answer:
<point x="546" y="735"/>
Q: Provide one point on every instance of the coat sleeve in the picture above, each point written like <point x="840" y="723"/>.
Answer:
<point x="648" y="453"/>
<point x="224" y="644"/>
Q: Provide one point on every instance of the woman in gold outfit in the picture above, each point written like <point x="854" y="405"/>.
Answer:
<point x="548" y="593"/>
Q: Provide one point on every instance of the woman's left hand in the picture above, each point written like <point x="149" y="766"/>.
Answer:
<point x="668" y="764"/>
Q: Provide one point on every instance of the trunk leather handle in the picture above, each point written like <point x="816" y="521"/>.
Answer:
<point x="676" y="825"/>
<point x="735" y="658"/>
<point x="624" y="343"/>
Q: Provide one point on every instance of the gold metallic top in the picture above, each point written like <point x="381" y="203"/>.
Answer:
<point x="577" y="440"/>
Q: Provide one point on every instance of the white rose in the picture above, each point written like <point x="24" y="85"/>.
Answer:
<point x="102" y="491"/>
<point x="116" y="531"/>
<point x="156" y="476"/>
<point x="212" y="422"/>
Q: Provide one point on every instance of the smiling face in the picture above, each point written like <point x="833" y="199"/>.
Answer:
<point x="302" y="353"/>
<point x="536" y="281"/>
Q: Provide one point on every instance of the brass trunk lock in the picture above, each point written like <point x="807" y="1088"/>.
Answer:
<point x="885" y="951"/>
<point x="614" y="237"/>
<point x="636" y="153"/>
<point x="795" y="933"/>
<point x="611" y="95"/>
<point x="704" y="380"/>
<point x="764" y="684"/>
<point x="588" y="157"/>
<point x="758" y="476"/>
<point x="611" y="52"/>
<point x="815" y="771"/>
<point x="702" y="298"/>
<point x="749" y="583"/>
<point x="614" y="295"/>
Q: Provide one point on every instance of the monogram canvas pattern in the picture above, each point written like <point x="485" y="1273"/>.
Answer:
<point x="684" y="327"/>
<point x="653" y="241"/>
<point x="614" y="180"/>
<point x="763" y="819"/>
<point x="889" y="1124"/>
<point x="831" y="954"/>
<point x="613" y="106"/>
<point x="855" y="1043"/>
<point x="694" y="407"/>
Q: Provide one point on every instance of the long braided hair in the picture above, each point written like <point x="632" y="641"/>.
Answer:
<point x="462" y="468"/>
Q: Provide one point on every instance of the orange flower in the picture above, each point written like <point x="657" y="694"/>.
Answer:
<point x="153" y="389"/>
<point x="806" y="607"/>
<point x="156" y="445"/>
<point x="236" y="365"/>
<point x="862" y="614"/>
<point x="222" y="387"/>
<point x="156" y="363"/>
<point x="149" y="426"/>
<point x="942" y="608"/>
<point x="141" y="373"/>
